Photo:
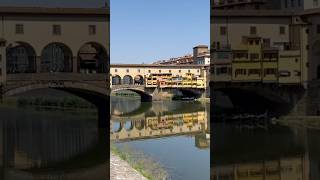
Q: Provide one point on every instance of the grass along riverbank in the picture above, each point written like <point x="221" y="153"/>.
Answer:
<point x="145" y="165"/>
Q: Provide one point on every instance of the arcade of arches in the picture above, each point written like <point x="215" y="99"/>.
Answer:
<point x="128" y="80"/>
<point x="92" y="57"/>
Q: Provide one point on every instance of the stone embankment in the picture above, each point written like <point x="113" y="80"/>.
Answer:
<point x="121" y="170"/>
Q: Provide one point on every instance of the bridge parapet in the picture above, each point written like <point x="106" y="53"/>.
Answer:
<point x="120" y="87"/>
<point x="22" y="82"/>
<point x="56" y="76"/>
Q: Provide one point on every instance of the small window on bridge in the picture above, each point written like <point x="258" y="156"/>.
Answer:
<point x="127" y="70"/>
<point x="92" y="30"/>
<point x="19" y="29"/>
<point x="56" y="29"/>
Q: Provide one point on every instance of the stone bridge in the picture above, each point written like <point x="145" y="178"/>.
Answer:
<point x="91" y="87"/>
<point x="280" y="99"/>
<point x="150" y="94"/>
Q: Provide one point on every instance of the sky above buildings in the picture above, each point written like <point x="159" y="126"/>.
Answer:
<point x="143" y="31"/>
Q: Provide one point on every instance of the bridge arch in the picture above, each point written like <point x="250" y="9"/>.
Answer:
<point x="56" y="57"/>
<point x="96" y="95"/>
<point x="191" y="93"/>
<point x="116" y="80"/>
<point x="259" y="98"/>
<point x="145" y="96"/>
<point x="92" y="58"/>
<point x="127" y="80"/>
<point x="21" y="58"/>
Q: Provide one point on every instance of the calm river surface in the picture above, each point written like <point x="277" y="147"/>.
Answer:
<point x="44" y="144"/>
<point x="173" y="133"/>
<point x="278" y="152"/>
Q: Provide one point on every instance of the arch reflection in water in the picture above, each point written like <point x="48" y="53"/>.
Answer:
<point x="51" y="146"/>
<point x="153" y="126"/>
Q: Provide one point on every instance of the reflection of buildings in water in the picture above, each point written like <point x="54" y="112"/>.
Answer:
<point x="159" y="126"/>
<point x="291" y="168"/>
<point x="202" y="141"/>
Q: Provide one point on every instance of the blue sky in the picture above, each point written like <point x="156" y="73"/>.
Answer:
<point x="146" y="30"/>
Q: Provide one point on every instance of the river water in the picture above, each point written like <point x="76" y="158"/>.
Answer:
<point x="52" y="144"/>
<point x="270" y="151"/>
<point x="66" y="144"/>
<point x="173" y="133"/>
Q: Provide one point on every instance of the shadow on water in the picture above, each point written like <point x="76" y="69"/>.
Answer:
<point x="52" y="145"/>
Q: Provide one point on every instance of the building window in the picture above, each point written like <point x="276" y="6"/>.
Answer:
<point x="19" y="29"/>
<point x="299" y="3"/>
<point x="253" y="30"/>
<point x="92" y="29"/>
<point x="240" y="72"/>
<point x="254" y="56"/>
<point x="179" y="71"/>
<point x="169" y="71"/>
<point x="315" y="2"/>
<point x="149" y="71"/>
<point x="189" y="71"/>
<point x="159" y="71"/>
<point x="223" y="31"/>
<point x="115" y="70"/>
<point x="56" y="29"/>
<point x="138" y="70"/>
<point x="282" y="30"/>
<point x="127" y="70"/>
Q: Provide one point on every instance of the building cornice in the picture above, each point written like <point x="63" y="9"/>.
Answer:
<point x="252" y="13"/>
<point x="53" y="11"/>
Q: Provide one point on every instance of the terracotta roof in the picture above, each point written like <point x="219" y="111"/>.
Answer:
<point x="157" y="65"/>
<point x="201" y="46"/>
<point x="54" y="11"/>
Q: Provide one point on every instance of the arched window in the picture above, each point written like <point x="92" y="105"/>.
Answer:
<point x="56" y="57"/>
<point x="21" y="58"/>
